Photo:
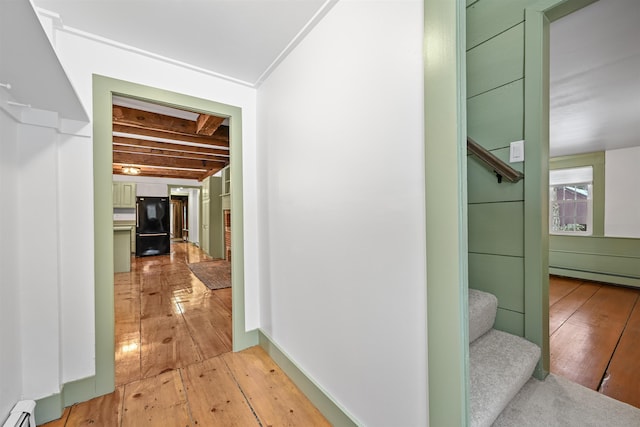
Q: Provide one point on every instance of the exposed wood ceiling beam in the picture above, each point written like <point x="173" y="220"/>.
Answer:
<point x="145" y="119"/>
<point x="168" y="146"/>
<point x="198" y="139"/>
<point x="153" y="160"/>
<point x="207" y="124"/>
<point x="136" y="149"/>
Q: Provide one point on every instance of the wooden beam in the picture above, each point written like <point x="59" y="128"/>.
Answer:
<point x="198" y="139"/>
<point x="167" y="161"/>
<point x="169" y="146"/>
<point x="207" y="124"/>
<point x="146" y="119"/>
<point x="134" y="149"/>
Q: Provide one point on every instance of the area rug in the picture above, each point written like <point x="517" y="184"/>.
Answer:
<point x="215" y="274"/>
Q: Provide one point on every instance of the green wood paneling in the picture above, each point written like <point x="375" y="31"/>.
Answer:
<point x="496" y="62"/>
<point x="483" y="183"/>
<point x="496" y="118"/>
<point x="610" y="246"/>
<point x="510" y="321"/>
<point x="487" y="18"/>
<point x="502" y="276"/>
<point x="496" y="228"/>
<point x="596" y="263"/>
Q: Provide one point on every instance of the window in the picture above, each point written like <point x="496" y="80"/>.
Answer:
<point x="571" y="201"/>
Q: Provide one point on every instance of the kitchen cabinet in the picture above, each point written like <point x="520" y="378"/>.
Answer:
<point x="124" y="194"/>
<point x="121" y="249"/>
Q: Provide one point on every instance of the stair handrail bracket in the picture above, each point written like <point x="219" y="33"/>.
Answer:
<point x="499" y="167"/>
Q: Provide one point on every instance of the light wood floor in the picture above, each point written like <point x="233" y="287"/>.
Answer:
<point x="595" y="336"/>
<point x="174" y="365"/>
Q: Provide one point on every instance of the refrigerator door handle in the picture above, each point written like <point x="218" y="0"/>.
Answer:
<point x="137" y="215"/>
<point x="151" y="234"/>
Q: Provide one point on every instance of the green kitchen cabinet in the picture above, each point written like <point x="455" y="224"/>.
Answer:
<point x="124" y="194"/>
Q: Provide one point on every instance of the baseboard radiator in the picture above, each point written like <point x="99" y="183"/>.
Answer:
<point x="22" y="415"/>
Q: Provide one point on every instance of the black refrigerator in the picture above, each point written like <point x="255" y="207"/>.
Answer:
<point x="152" y="226"/>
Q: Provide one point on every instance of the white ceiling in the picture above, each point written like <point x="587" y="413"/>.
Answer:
<point x="242" y="40"/>
<point x="595" y="78"/>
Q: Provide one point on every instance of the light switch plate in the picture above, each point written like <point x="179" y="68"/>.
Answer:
<point x="516" y="152"/>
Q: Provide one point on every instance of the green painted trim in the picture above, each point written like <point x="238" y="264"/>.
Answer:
<point x="446" y="212"/>
<point x="596" y="160"/>
<point x="536" y="124"/>
<point x="103" y="89"/>
<point x="77" y="391"/>
<point x="332" y="411"/>
<point x="596" y="277"/>
<point x="536" y="204"/>
<point x="49" y="408"/>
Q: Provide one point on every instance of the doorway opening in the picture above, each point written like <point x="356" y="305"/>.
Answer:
<point x="103" y="90"/>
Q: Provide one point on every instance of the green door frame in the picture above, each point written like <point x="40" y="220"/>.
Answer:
<point x="103" y="89"/>
<point x="536" y="184"/>
<point x="446" y="211"/>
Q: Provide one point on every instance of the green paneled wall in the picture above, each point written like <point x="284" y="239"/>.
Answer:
<point x="499" y="275"/>
<point x="487" y="18"/>
<point x="608" y="259"/>
<point x="496" y="62"/>
<point x="495" y="118"/>
<point x="483" y="184"/>
<point x="497" y="228"/>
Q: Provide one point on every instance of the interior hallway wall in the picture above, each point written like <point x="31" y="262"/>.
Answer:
<point x="81" y="58"/>
<point x="10" y="350"/>
<point x="342" y="173"/>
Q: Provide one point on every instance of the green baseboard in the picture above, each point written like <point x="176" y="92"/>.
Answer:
<point x="51" y="407"/>
<point x="331" y="410"/>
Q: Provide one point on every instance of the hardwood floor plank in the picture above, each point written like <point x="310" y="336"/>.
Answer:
<point x="210" y="329"/>
<point x="156" y="401"/>
<point x="622" y="380"/>
<point x="569" y="304"/>
<point x="214" y="396"/>
<point x="101" y="411"/>
<point x="128" y="347"/>
<point x="166" y="345"/>
<point x="580" y="351"/>
<point x="224" y="296"/>
<point x="609" y="305"/>
<point x="559" y="287"/>
<point x="273" y="396"/>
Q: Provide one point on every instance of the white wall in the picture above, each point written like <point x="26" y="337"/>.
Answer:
<point x="342" y="171"/>
<point x="622" y="193"/>
<point x="76" y="261"/>
<point x="10" y="337"/>
<point x="37" y="259"/>
<point x="82" y="58"/>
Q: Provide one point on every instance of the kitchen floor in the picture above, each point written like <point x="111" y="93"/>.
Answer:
<point x="594" y="333"/>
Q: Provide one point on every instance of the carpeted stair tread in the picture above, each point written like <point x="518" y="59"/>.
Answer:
<point x="482" y="313"/>
<point x="500" y="364"/>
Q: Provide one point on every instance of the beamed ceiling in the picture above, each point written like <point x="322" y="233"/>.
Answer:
<point x="168" y="145"/>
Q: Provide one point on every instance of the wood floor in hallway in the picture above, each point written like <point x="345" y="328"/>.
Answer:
<point x="594" y="333"/>
<point x="174" y="365"/>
